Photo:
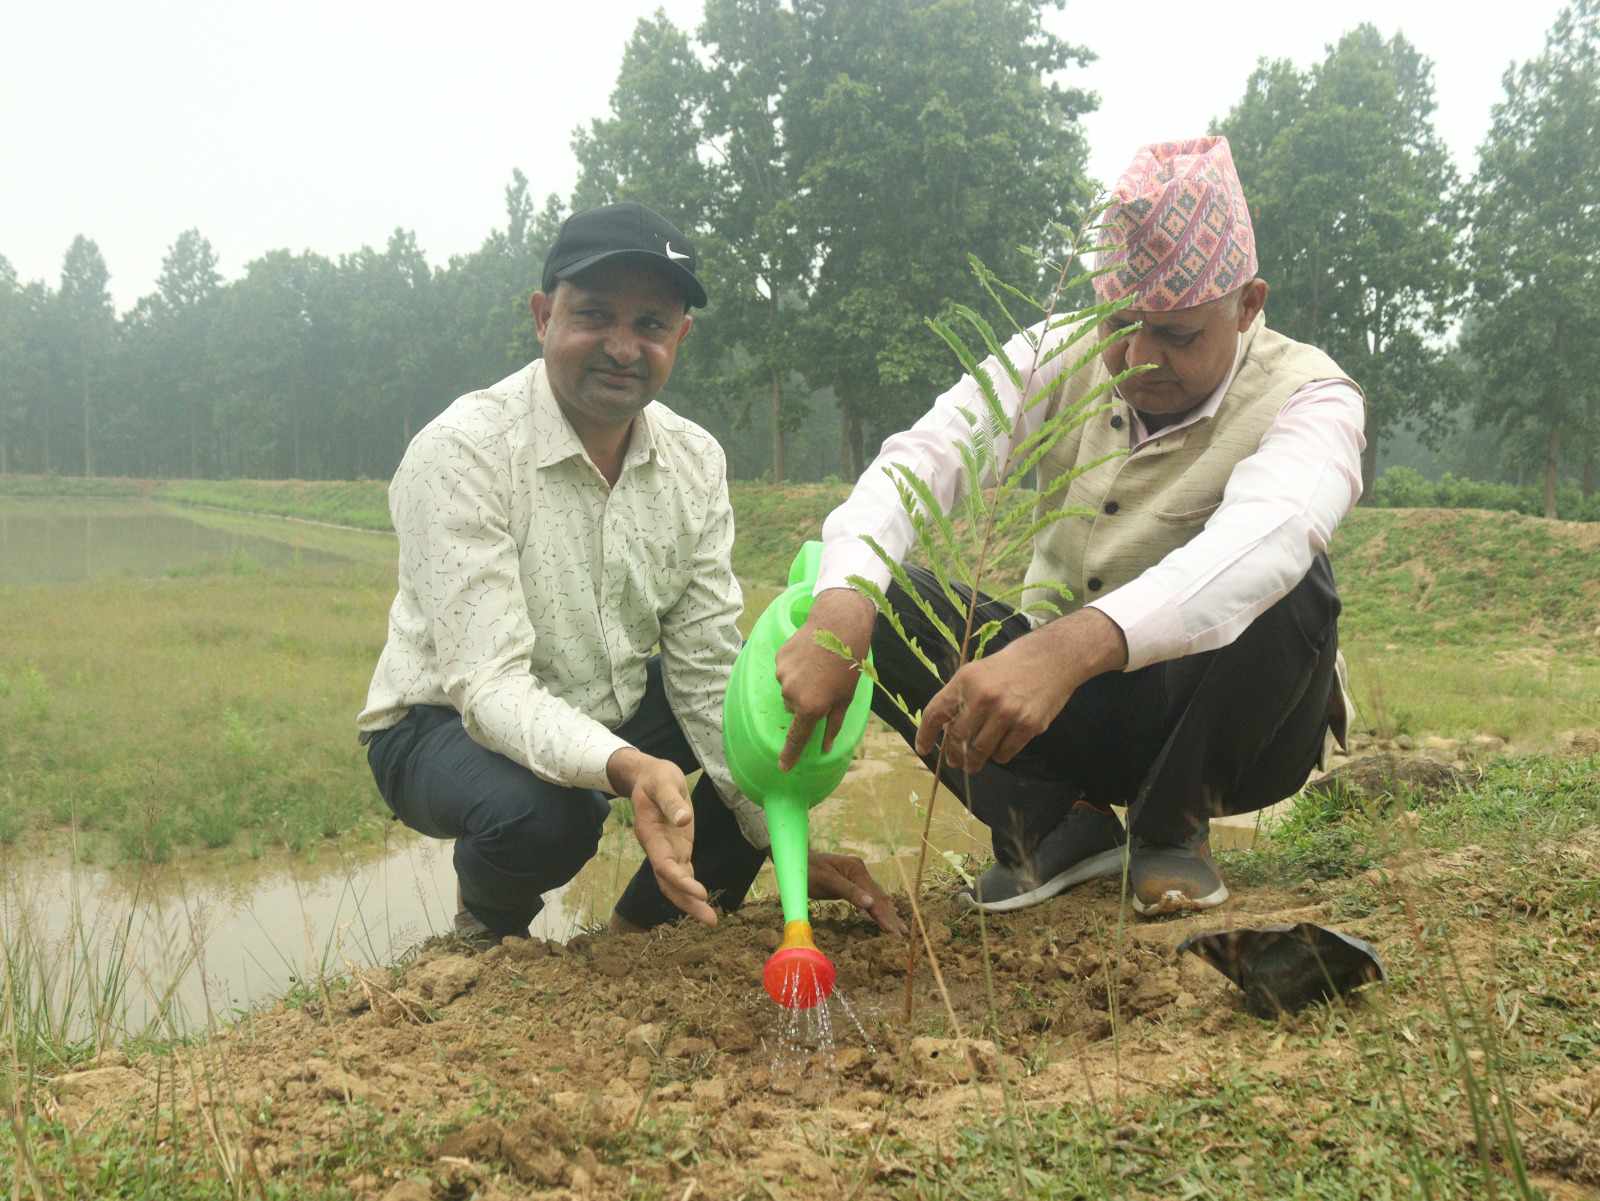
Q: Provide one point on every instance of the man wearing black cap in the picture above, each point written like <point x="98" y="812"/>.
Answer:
<point x="564" y="624"/>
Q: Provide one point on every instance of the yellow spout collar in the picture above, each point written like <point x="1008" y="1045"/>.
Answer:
<point x="796" y="934"/>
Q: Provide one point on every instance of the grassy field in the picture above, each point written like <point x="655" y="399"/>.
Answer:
<point x="211" y="708"/>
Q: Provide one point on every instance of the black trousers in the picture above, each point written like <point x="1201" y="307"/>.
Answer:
<point x="1225" y="731"/>
<point x="518" y="836"/>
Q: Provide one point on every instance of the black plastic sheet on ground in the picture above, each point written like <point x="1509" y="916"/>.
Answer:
<point x="1282" y="968"/>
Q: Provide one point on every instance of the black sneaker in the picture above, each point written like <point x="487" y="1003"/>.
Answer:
<point x="470" y="930"/>
<point x="1174" y="879"/>
<point x="1087" y="846"/>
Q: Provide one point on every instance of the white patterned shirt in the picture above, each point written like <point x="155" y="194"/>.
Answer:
<point x="532" y="594"/>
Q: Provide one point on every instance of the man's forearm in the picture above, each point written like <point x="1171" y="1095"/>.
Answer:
<point x="1085" y="644"/>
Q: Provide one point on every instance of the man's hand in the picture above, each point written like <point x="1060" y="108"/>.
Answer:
<point x="663" y="822"/>
<point x="845" y="878"/>
<point x="816" y="682"/>
<point x="993" y="708"/>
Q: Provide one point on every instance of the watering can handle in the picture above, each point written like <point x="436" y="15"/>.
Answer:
<point x="806" y="564"/>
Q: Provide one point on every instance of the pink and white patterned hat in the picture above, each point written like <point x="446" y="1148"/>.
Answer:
<point x="1184" y="230"/>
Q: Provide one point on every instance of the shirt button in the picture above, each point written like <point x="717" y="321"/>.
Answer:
<point x="1116" y="421"/>
<point x="1111" y="507"/>
<point x="1095" y="583"/>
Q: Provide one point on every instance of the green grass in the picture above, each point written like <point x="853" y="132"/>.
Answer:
<point x="212" y="709"/>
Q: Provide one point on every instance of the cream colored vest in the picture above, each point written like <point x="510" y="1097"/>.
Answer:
<point x="1147" y="504"/>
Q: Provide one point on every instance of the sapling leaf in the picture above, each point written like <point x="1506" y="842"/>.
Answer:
<point x="991" y="342"/>
<point x="935" y="511"/>
<point x="981" y="637"/>
<point x="994" y="285"/>
<point x="830" y="641"/>
<point x="1047" y="520"/>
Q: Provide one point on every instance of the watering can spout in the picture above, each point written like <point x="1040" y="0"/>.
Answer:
<point x="754" y="729"/>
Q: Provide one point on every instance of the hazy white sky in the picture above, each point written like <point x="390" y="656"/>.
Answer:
<point x="323" y="125"/>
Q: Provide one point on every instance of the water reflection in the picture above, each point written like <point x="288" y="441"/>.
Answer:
<point x="205" y="942"/>
<point x="219" y="938"/>
<point x="67" y="541"/>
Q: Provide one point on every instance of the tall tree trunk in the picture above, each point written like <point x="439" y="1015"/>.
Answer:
<point x="194" y="441"/>
<point x="851" y="464"/>
<point x="1369" y="467"/>
<point x="779" y="467"/>
<point x="1589" y="445"/>
<point x="858" y="446"/>
<point x="1552" y="468"/>
<point x="88" y="412"/>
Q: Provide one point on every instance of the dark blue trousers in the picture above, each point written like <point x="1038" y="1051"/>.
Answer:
<point x="1221" y="732"/>
<point x="518" y="837"/>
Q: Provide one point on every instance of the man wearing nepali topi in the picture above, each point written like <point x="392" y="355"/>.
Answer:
<point x="1195" y="669"/>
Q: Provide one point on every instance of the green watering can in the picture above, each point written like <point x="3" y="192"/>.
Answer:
<point x="755" y="725"/>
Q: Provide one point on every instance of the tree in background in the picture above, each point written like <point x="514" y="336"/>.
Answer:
<point x="836" y="162"/>
<point x="481" y="299"/>
<point x="1535" y="252"/>
<point x="86" y="323"/>
<point x="179" y="379"/>
<point x="24" y="372"/>
<point x="921" y="133"/>
<point x="704" y="144"/>
<point x="1358" y="219"/>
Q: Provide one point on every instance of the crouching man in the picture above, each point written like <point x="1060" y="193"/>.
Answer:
<point x="555" y="530"/>
<point x="1195" y="670"/>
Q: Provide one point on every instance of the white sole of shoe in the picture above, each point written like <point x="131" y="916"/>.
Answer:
<point x="1174" y="901"/>
<point x="1095" y="867"/>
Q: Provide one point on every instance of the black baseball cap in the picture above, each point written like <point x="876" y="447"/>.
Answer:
<point x="597" y="234"/>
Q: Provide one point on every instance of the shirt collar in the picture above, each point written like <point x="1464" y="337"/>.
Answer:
<point x="1207" y="409"/>
<point x="554" y="439"/>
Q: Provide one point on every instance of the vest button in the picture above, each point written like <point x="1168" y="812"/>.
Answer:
<point x="1116" y="421"/>
<point x="1111" y="507"/>
<point x="1094" y="583"/>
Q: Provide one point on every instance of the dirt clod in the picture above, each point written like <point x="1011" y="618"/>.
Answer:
<point x="644" y="1039"/>
<point x="444" y="979"/>
<point x="1387" y="776"/>
<point x="955" y="1060"/>
<point x="97" y="1083"/>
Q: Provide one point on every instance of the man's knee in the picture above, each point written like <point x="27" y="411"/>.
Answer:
<point x="552" y="832"/>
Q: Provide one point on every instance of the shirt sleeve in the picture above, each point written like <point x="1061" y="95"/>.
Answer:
<point x="930" y="449"/>
<point x="699" y="642"/>
<point x="459" y="557"/>
<point x="1278" y="511"/>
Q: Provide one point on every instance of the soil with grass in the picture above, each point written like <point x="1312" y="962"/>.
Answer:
<point x="1079" y="1055"/>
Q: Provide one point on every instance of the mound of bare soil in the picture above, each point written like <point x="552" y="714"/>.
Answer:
<point x="1386" y="776"/>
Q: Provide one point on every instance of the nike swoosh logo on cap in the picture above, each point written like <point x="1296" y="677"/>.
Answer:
<point x="673" y="254"/>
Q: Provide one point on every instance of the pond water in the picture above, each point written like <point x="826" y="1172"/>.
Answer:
<point x="210" y="936"/>
<point x="52" y="542"/>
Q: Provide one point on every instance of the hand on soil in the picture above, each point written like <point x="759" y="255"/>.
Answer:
<point x="816" y="682"/>
<point x="845" y="878"/>
<point x="663" y="821"/>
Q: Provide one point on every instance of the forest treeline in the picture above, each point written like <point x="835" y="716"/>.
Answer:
<point x="836" y="163"/>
